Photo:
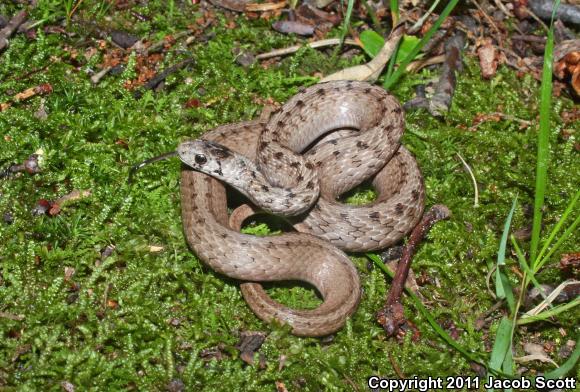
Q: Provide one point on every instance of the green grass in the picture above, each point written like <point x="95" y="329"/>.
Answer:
<point x="502" y="353"/>
<point x="170" y="308"/>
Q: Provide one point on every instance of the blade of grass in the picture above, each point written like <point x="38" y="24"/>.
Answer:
<point x="524" y="265"/>
<point x="346" y="22"/>
<point x="563" y="238"/>
<point x="389" y="82"/>
<point x="394" y="4"/>
<point x="543" y="141"/>
<point x="502" y="287"/>
<point x="501" y="345"/>
<point x="549" y="313"/>
<point x="425" y="313"/>
<point x="559" y="225"/>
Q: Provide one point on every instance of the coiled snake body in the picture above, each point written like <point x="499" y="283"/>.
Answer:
<point x="323" y="142"/>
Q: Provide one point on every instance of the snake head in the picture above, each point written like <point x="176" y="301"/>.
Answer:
<point x="205" y="156"/>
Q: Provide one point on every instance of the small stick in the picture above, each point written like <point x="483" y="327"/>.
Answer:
<point x="314" y="45"/>
<point x="10" y="28"/>
<point x="161" y="43"/>
<point x="441" y="100"/>
<point x="153" y="82"/>
<point x="466" y="166"/>
<point x="417" y="26"/>
<point x="96" y="78"/>
<point x="391" y="317"/>
<point x="30" y="165"/>
<point x="490" y="21"/>
<point x="10" y="316"/>
<point x="45" y="88"/>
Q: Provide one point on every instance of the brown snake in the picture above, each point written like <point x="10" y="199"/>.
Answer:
<point x="294" y="164"/>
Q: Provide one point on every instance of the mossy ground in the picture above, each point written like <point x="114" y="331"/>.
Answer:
<point x="141" y="319"/>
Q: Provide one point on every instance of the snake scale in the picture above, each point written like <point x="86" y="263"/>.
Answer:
<point x="324" y="141"/>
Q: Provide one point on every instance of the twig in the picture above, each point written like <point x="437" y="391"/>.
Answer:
<point x="96" y="78"/>
<point x="10" y="316"/>
<point x="74" y="9"/>
<point x="441" y="100"/>
<point x="490" y="21"/>
<point x="422" y="63"/>
<point x="475" y="188"/>
<point x="45" y="88"/>
<point x="415" y="28"/>
<point x="314" y="45"/>
<point x="503" y="8"/>
<point x="10" y="28"/>
<point x="161" y="43"/>
<point x="30" y="165"/>
<point x="261" y="7"/>
<point x="391" y="317"/>
<point x="154" y="82"/>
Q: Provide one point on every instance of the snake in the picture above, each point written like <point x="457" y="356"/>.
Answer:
<point x="324" y="141"/>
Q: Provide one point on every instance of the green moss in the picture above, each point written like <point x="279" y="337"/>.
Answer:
<point x="169" y="307"/>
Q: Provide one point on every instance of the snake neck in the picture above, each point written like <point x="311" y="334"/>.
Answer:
<point x="282" y="198"/>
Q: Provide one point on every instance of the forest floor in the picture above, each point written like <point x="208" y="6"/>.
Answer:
<point x="101" y="291"/>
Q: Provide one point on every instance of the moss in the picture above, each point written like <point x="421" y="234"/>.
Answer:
<point x="140" y="319"/>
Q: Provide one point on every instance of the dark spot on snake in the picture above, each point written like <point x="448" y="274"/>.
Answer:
<point x="374" y="216"/>
<point x="278" y="155"/>
<point x="367" y="90"/>
<point x="218" y="172"/>
<point x="362" y="145"/>
<point x="415" y="194"/>
<point x="300" y="178"/>
<point x="310" y="185"/>
<point x="397" y="110"/>
<point x="335" y="153"/>
<point x="399" y="208"/>
<point x="253" y="174"/>
<point x="221" y="152"/>
<point x="300" y="103"/>
<point x="291" y="194"/>
<point x="200" y="221"/>
<point x="280" y="123"/>
<point x="295" y="164"/>
<point x="321" y="92"/>
<point x="309" y="166"/>
<point x="343" y="215"/>
<point x="265" y="188"/>
<point x="263" y="145"/>
<point x="333" y="141"/>
<point x="224" y="235"/>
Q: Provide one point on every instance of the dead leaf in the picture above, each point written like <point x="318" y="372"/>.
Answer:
<point x="488" y="58"/>
<point x="371" y="70"/>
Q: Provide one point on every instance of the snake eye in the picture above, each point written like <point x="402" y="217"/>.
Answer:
<point x="200" y="159"/>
